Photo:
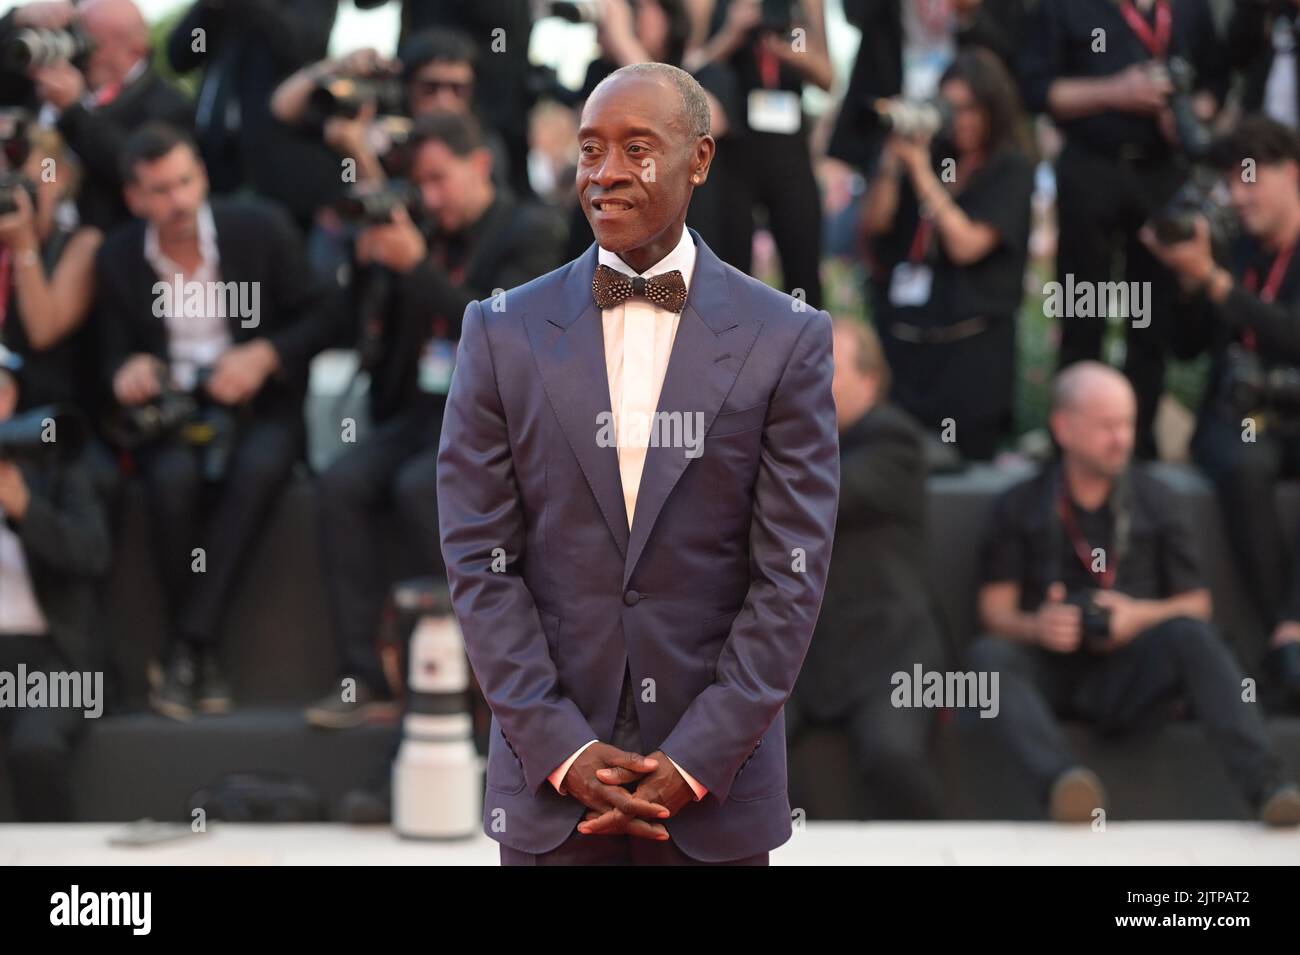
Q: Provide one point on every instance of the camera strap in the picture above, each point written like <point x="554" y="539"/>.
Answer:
<point x="1063" y="508"/>
<point x="1155" y="40"/>
<point x="1272" y="285"/>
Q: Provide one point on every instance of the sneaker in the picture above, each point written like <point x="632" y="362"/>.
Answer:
<point x="332" y="712"/>
<point x="1076" y="794"/>
<point x="213" y="691"/>
<point x="1280" y="805"/>
<point x="174" y="684"/>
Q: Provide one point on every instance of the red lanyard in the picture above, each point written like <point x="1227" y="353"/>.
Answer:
<point x="1156" y="41"/>
<point x="769" y="67"/>
<point x="1106" y="578"/>
<point x="921" y="243"/>
<point x="1272" y="285"/>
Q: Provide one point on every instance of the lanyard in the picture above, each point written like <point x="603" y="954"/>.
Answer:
<point x="1156" y="41"/>
<point x="1268" y="294"/>
<point x="769" y="67"/>
<point x="1106" y="578"/>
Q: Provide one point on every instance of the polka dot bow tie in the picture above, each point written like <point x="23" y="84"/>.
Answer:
<point x="611" y="287"/>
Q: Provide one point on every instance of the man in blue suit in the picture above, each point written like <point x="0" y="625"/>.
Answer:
<point x="637" y="484"/>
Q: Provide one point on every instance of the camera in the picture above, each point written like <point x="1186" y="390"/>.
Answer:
<point x="196" y="420"/>
<point x="51" y="432"/>
<point x="914" y="119"/>
<point x="1203" y="194"/>
<point x="1193" y="135"/>
<point x="1251" y="385"/>
<point x="344" y="97"/>
<point x="365" y="204"/>
<point x="14" y="144"/>
<point x="31" y="48"/>
<point x="1094" y="621"/>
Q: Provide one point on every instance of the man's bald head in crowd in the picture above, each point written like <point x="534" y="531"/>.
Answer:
<point x="121" y="39"/>
<point x="1094" y="416"/>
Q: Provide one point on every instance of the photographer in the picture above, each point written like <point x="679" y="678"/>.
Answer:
<point x="99" y="95"/>
<point x="249" y="47"/>
<point x="948" y="260"/>
<point x="1097" y="610"/>
<point x="46" y="269"/>
<point x="1262" y="45"/>
<point x="1104" y="70"/>
<point x="54" y="545"/>
<point x="472" y="238"/>
<point x="766" y="162"/>
<point x="176" y="288"/>
<point x="1248" y="317"/>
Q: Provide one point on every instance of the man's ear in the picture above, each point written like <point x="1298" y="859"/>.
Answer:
<point x="483" y="161"/>
<point x="702" y="160"/>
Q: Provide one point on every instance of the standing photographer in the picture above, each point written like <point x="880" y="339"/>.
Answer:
<point x="1096" y="608"/>
<point x="948" y="256"/>
<point x="465" y="238"/>
<point x="1102" y="70"/>
<point x="54" y="545"/>
<point x="1248" y="317"/>
<point x="211" y="474"/>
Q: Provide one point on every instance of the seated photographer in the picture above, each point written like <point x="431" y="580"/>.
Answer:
<point x="947" y="229"/>
<point x="210" y="316"/>
<point x="1097" y="610"/>
<point x="1248" y="317"/>
<point x="105" y="89"/>
<point x="463" y="238"/>
<point x="47" y="269"/>
<point x="54" y="546"/>
<point x="876" y="618"/>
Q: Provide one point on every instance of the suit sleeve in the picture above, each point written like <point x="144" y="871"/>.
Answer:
<point x="479" y="512"/>
<point x="795" y="500"/>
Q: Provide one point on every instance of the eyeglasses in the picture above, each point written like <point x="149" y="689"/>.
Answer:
<point x="459" y="88"/>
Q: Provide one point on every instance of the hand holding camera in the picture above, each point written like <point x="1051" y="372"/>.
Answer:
<point x="1059" y="623"/>
<point x="397" y="244"/>
<point x="138" y="380"/>
<point x="1142" y="88"/>
<point x="14" y="495"/>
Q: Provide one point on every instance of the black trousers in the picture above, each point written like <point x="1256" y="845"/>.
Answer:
<point x="1101" y="204"/>
<point x="39" y="742"/>
<point x="394" y="468"/>
<point x="772" y="171"/>
<point x="580" y="849"/>
<point x="1245" y="475"/>
<point x="222" y="518"/>
<point x="891" y="747"/>
<point x="1120" y="691"/>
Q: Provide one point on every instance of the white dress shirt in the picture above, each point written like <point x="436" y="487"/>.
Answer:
<point x="193" y="341"/>
<point x="638" y="342"/>
<point x="20" y="611"/>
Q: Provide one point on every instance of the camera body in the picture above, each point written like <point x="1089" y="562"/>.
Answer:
<point x="1203" y="194"/>
<point x="365" y="205"/>
<point x="189" y="415"/>
<point x="345" y="97"/>
<point x="1252" y="385"/>
<point x="1094" y="622"/>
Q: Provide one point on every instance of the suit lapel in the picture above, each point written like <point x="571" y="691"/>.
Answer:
<point x="708" y="351"/>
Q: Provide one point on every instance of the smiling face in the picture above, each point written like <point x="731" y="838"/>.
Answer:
<point x="636" y="163"/>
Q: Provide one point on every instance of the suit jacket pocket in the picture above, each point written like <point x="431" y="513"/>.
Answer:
<point x="734" y="422"/>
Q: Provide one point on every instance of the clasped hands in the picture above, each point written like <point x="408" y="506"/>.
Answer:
<point x="599" y="779"/>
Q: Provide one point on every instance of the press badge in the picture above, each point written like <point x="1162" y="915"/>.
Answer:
<point x="774" y="111"/>
<point x="910" y="284"/>
<point x="437" y="359"/>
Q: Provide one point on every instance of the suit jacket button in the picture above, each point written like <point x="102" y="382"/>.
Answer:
<point x="631" y="597"/>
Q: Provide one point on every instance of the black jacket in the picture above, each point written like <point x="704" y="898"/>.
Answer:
<point x="515" y="241"/>
<point x="97" y="137"/>
<point x="256" y="242"/>
<point x="876" y="615"/>
<point x="878" y="69"/>
<point x="1250" y="46"/>
<point x="251" y="46"/>
<point x="65" y="539"/>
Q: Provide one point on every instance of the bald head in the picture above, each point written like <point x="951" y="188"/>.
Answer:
<point x="1094" y="416"/>
<point x="121" y="39"/>
<point x="694" y="114"/>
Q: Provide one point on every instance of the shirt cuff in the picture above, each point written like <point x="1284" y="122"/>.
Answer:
<point x="556" y="777"/>
<point x="700" y="791"/>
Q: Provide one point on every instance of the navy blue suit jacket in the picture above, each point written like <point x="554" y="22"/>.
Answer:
<point x="712" y="595"/>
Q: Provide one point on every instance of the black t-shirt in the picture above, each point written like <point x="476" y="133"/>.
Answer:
<point x="1160" y="560"/>
<point x="997" y="194"/>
